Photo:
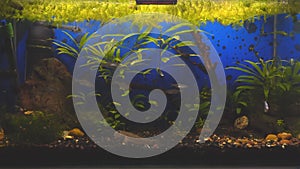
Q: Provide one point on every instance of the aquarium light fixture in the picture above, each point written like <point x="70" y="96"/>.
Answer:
<point x="156" y="2"/>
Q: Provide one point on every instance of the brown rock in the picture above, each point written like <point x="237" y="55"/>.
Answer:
<point x="76" y="132"/>
<point x="284" y="136"/>
<point x="244" y="140"/>
<point x="126" y="133"/>
<point x="237" y="144"/>
<point x="248" y="145"/>
<point x="2" y="135"/>
<point x="285" y="142"/>
<point x="46" y="89"/>
<point x="66" y="135"/>
<point x="271" y="137"/>
<point x="241" y="122"/>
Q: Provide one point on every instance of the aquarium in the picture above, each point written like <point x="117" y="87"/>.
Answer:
<point x="141" y="83"/>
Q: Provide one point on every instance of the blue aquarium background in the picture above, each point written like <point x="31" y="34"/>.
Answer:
<point x="233" y="43"/>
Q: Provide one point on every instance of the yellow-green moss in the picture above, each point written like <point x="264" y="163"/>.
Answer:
<point x="196" y="11"/>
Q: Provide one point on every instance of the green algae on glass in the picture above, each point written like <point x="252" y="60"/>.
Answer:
<point x="226" y="12"/>
<point x="32" y="127"/>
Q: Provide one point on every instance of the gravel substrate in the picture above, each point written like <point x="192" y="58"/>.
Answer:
<point x="216" y="151"/>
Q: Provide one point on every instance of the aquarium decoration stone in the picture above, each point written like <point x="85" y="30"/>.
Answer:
<point x="76" y="132"/>
<point x="241" y="122"/>
<point x="271" y="137"/>
<point x="285" y="142"/>
<point x="47" y="88"/>
<point x="284" y="136"/>
<point x="2" y="134"/>
<point x="233" y="12"/>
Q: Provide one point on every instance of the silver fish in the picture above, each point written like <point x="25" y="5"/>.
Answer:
<point x="267" y="108"/>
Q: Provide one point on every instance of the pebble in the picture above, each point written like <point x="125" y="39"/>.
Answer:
<point x="241" y="122"/>
<point x="2" y="134"/>
<point x="285" y="142"/>
<point x="76" y="132"/>
<point x="192" y="141"/>
<point x="271" y="137"/>
<point x="284" y="136"/>
<point x="243" y="140"/>
<point x="248" y="145"/>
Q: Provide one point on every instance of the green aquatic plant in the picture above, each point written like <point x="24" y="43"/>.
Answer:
<point x="281" y="125"/>
<point x="203" y="107"/>
<point x="199" y="123"/>
<point x="265" y="82"/>
<point x="291" y="77"/>
<point x="111" y="50"/>
<point x="66" y="48"/>
<point x="108" y="47"/>
<point x="111" y="116"/>
<point x="280" y="122"/>
<point x="196" y="11"/>
<point x="259" y="78"/>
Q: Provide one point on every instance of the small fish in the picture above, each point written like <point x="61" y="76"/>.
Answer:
<point x="179" y="85"/>
<point x="160" y="72"/>
<point x="127" y="137"/>
<point x="75" y="29"/>
<point x="292" y="60"/>
<point x="266" y="108"/>
<point x="172" y="91"/>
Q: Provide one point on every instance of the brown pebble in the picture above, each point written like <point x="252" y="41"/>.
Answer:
<point x="76" y="132"/>
<point x="237" y="144"/>
<point x="271" y="137"/>
<point x="257" y="146"/>
<point x="241" y="122"/>
<point x="284" y="136"/>
<point x="248" y="145"/>
<point x="285" y="142"/>
<point x="244" y="140"/>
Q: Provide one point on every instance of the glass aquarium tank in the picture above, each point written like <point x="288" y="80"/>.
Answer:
<point x="139" y="83"/>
